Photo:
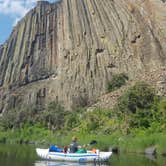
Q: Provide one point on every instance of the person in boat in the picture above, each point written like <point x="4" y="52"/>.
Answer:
<point x="74" y="145"/>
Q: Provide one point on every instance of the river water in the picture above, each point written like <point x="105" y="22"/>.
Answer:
<point x="25" y="155"/>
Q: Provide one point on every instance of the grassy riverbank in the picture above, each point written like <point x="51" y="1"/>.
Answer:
<point x="133" y="143"/>
<point x="137" y="121"/>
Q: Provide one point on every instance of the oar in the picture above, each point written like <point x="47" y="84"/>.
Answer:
<point x="93" y="142"/>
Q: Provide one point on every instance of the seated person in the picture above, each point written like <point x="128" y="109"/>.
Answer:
<point x="74" y="145"/>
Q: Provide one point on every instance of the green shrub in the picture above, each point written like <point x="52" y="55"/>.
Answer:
<point x="162" y="107"/>
<point x="142" y="118"/>
<point x="54" y="116"/>
<point x="14" y="118"/>
<point x="90" y="122"/>
<point x="72" y="120"/>
<point x="140" y="96"/>
<point x="117" y="81"/>
<point x="8" y="119"/>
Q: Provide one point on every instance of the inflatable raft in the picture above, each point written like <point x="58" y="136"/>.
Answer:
<point x="73" y="157"/>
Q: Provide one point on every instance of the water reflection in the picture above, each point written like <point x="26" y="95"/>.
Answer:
<point x="53" y="163"/>
<point x="151" y="157"/>
<point x="25" y="155"/>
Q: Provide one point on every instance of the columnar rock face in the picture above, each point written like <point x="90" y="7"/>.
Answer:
<point x="67" y="51"/>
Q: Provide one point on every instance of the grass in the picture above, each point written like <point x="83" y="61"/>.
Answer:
<point x="135" y="143"/>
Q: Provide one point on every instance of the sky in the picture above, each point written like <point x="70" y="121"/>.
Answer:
<point x="10" y="12"/>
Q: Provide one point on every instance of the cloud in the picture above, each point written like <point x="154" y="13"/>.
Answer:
<point x="17" y="8"/>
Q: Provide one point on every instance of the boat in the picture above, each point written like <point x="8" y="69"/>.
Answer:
<point x="74" y="157"/>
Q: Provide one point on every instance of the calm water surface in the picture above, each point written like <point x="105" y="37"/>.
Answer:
<point x="25" y="155"/>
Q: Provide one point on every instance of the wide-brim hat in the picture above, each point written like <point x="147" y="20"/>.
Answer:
<point x="74" y="138"/>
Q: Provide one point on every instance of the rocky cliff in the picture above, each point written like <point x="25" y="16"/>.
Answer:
<point x="68" y="51"/>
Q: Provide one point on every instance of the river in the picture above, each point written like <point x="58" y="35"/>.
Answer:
<point x="25" y="155"/>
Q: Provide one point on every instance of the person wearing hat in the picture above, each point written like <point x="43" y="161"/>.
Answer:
<point x="74" y="145"/>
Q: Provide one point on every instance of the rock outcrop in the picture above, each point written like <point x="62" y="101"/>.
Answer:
<point x="67" y="51"/>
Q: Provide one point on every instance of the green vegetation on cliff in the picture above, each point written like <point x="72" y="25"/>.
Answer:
<point x="137" y="121"/>
<point x="117" y="81"/>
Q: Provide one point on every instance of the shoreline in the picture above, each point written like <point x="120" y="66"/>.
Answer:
<point x="152" y="144"/>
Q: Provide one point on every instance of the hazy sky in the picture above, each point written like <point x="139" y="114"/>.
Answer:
<point x="10" y="12"/>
